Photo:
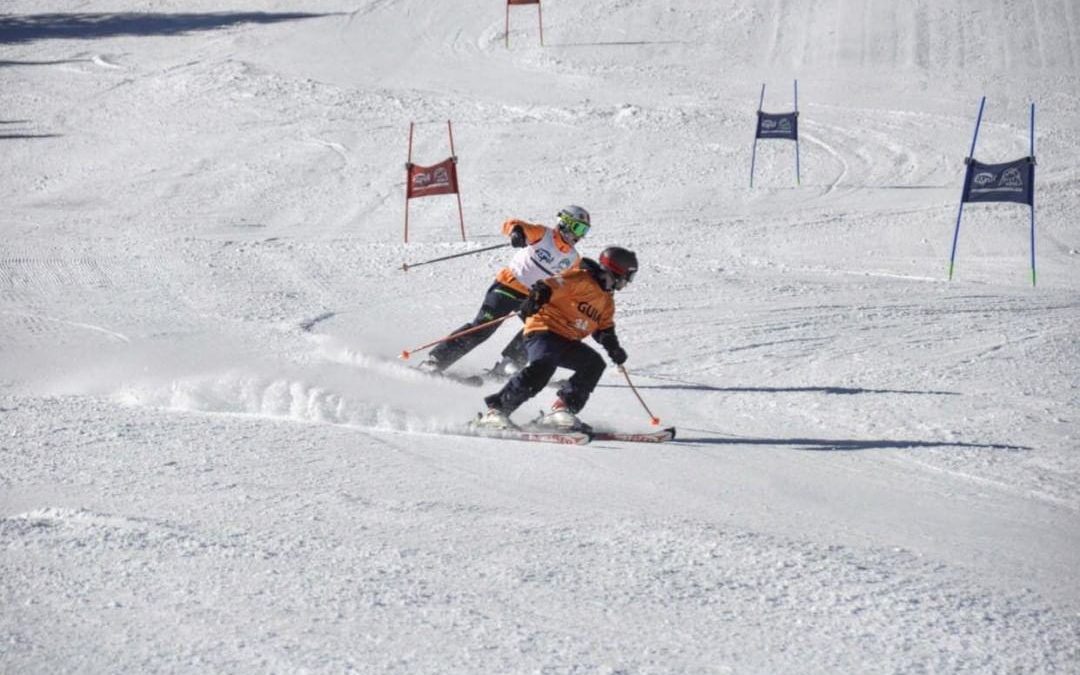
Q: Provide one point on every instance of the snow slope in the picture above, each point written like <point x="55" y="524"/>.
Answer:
<point x="212" y="460"/>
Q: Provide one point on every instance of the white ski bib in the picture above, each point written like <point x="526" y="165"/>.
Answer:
<point x="542" y="260"/>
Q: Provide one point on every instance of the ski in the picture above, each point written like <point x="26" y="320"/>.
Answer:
<point x="534" y="435"/>
<point x="662" y="436"/>
<point x="467" y="380"/>
<point x="566" y="437"/>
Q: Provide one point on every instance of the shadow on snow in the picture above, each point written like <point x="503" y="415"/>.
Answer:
<point x="26" y="28"/>
<point x="829" y="444"/>
<point x="13" y="137"/>
<point x="57" y="62"/>
<point x="692" y="386"/>
<point x="621" y="43"/>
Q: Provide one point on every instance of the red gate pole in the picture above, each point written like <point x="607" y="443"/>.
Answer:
<point x="408" y="178"/>
<point x="457" y="192"/>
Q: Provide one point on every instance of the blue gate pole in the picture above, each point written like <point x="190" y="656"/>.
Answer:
<point x="757" y="122"/>
<point x="798" y="179"/>
<point x="960" y="214"/>
<point x="1033" y="194"/>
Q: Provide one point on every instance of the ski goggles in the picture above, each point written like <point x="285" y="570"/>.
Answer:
<point x="578" y="228"/>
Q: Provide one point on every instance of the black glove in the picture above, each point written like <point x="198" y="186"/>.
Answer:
<point x="517" y="237"/>
<point x="610" y="342"/>
<point x="538" y="297"/>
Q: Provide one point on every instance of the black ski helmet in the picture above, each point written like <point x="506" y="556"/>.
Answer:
<point x="621" y="262"/>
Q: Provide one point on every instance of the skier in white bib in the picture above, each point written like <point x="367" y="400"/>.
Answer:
<point x="542" y="252"/>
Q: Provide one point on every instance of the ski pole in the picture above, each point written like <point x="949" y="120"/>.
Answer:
<point x="406" y="266"/>
<point x="653" y="419"/>
<point x="406" y="353"/>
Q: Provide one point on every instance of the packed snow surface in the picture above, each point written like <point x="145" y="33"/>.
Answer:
<point x="213" y="460"/>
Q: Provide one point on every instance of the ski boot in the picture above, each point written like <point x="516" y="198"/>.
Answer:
<point x="430" y="365"/>
<point x="562" y="418"/>
<point x="494" y="419"/>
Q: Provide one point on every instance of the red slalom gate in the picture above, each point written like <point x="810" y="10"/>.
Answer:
<point x="428" y="181"/>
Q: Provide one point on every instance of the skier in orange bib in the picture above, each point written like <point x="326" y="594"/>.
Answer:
<point x="560" y="312"/>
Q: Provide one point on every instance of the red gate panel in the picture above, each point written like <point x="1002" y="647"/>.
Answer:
<point x="440" y="179"/>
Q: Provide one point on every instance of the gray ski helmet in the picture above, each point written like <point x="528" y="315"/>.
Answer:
<point x="574" y="220"/>
<point x="621" y="262"/>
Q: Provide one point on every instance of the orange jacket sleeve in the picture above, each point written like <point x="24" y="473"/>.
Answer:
<point x="533" y="232"/>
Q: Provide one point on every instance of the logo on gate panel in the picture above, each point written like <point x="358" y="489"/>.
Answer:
<point x="989" y="182"/>
<point x="1011" y="178"/>
<point x="777" y="126"/>
<point x="437" y="178"/>
<point x="783" y="125"/>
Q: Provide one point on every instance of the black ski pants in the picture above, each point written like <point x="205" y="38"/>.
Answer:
<point x="499" y="300"/>
<point x="548" y="352"/>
